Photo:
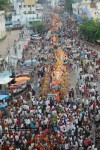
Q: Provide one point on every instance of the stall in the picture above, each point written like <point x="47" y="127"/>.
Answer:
<point x="20" y="86"/>
<point x="4" y="80"/>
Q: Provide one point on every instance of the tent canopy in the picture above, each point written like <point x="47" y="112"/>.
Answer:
<point x="5" y="74"/>
<point x="5" y="80"/>
<point x="4" y="97"/>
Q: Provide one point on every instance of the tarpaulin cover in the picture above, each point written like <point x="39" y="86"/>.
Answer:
<point x="22" y="79"/>
<point x="3" y="106"/>
<point x="4" y="97"/>
<point x="5" y="80"/>
<point x="35" y="62"/>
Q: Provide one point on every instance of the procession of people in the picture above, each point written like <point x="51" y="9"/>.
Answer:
<point x="36" y="120"/>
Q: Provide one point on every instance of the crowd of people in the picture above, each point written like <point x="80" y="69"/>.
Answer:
<point x="32" y="122"/>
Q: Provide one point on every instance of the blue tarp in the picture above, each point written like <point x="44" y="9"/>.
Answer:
<point x="6" y="97"/>
<point x="28" y="67"/>
<point x="3" y="106"/>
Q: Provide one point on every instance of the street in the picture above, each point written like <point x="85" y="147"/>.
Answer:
<point x="53" y="99"/>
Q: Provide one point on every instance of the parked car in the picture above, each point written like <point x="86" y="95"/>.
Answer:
<point x="35" y="37"/>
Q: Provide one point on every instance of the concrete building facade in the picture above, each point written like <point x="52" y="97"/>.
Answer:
<point x="24" y="6"/>
<point x="26" y="11"/>
<point x="93" y="7"/>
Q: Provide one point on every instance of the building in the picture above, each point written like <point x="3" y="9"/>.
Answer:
<point x="93" y="7"/>
<point x="54" y="3"/>
<point x="2" y="25"/>
<point x="97" y="12"/>
<point x="26" y="11"/>
<point x="24" y="6"/>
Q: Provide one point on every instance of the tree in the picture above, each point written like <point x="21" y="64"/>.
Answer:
<point x="38" y="26"/>
<point x="68" y="6"/>
<point x="4" y="4"/>
<point x="91" y="30"/>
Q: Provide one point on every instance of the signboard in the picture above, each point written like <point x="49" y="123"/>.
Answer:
<point x="84" y="16"/>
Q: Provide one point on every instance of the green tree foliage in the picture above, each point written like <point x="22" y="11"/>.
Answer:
<point x="38" y="26"/>
<point x="4" y="4"/>
<point x="91" y="30"/>
<point x="68" y="6"/>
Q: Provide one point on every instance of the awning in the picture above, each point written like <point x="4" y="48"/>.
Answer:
<point x="5" y="80"/>
<point x="5" y="74"/>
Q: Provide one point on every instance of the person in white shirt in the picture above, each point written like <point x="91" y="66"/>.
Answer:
<point x="66" y="146"/>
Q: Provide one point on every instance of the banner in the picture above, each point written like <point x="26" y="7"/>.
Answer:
<point x="84" y="16"/>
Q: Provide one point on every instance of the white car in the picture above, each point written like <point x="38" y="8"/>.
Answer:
<point x="36" y="37"/>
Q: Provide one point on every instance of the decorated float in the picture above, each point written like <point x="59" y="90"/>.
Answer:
<point x="56" y="79"/>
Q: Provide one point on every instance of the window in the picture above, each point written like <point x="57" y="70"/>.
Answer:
<point x="28" y="5"/>
<point x="32" y="5"/>
<point x="20" y="6"/>
<point x="24" y="12"/>
<point x="24" y="5"/>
